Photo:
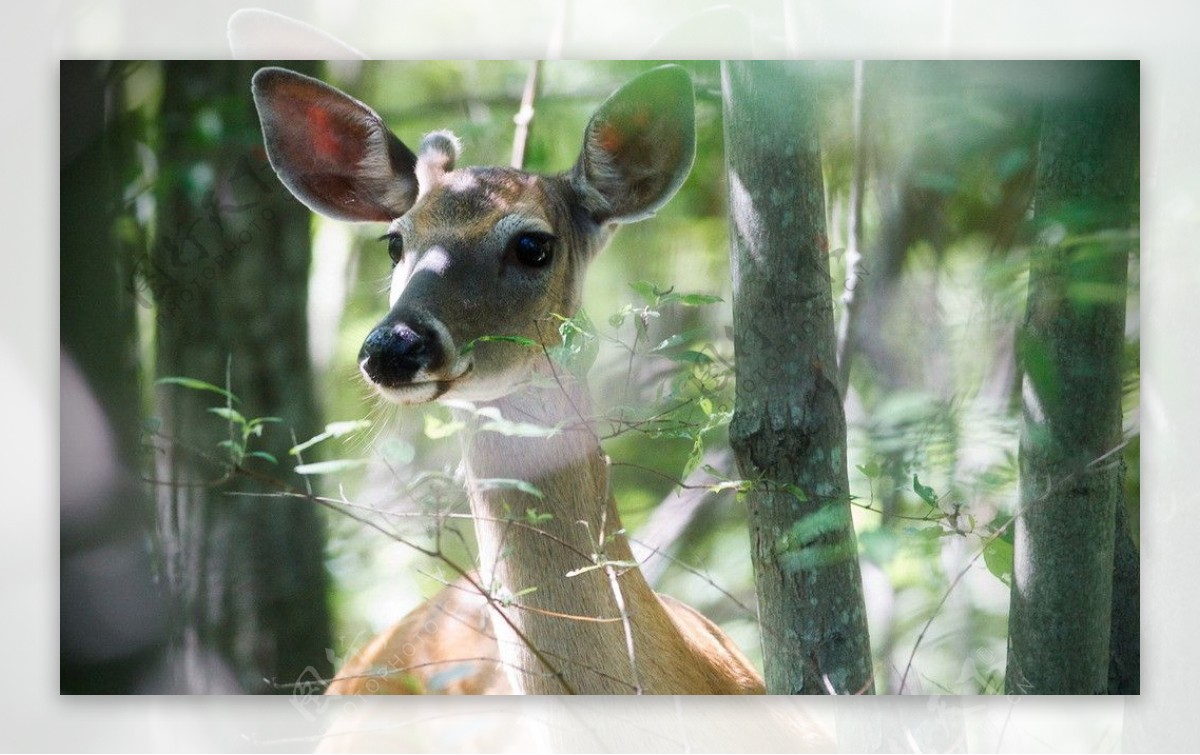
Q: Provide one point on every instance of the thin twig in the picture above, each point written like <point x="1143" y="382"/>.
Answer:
<point x="851" y="296"/>
<point x="524" y="114"/>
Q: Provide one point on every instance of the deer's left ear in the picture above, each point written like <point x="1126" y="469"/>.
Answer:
<point x="638" y="147"/>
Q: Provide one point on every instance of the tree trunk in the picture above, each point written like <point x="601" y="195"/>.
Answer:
<point x="112" y="618"/>
<point x="229" y="275"/>
<point x="1072" y="477"/>
<point x="789" y="431"/>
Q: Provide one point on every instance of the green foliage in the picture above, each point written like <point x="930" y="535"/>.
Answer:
<point x="332" y="430"/>
<point x="242" y="429"/>
<point x="933" y="408"/>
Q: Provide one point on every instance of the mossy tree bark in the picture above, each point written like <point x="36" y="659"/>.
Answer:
<point x="1072" y="476"/>
<point x="789" y="431"/>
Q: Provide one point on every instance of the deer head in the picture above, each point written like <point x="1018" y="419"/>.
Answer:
<point x="477" y="251"/>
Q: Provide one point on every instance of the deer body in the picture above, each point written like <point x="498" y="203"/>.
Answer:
<point x="485" y="252"/>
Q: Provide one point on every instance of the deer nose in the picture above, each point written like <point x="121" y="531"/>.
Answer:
<point x="393" y="353"/>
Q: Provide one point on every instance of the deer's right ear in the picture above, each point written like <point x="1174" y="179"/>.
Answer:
<point x="331" y="151"/>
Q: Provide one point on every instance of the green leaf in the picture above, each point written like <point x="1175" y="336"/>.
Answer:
<point x="495" y="423"/>
<point x="871" y="470"/>
<point x="345" y="427"/>
<point x="648" y="291"/>
<point x="519" y="340"/>
<point x="533" y="516"/>
<point x="696" y="300"/>
<point x="194" y="384"/>
<point x="690" y="357"/>
<point x="233" y="415"/>
<point x="503" y="483"/>
<point x="796" y="491"/>
<point x="695" y="457"/>
<point x="264" y="455"/>
<point x="330" y="467"/>
<point x="332" y="430"/>
<point x="924" y="491"/>
<point x="436" y="428"/>
<point x="679" y="339"/>
<point x="998" y="556"/>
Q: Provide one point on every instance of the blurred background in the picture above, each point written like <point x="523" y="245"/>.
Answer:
<point x="184" y="569"/>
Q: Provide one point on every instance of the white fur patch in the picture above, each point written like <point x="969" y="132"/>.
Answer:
<point x="436" y="260"/>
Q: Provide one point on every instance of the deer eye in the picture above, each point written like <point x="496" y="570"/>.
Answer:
<point x="533" y="248"/>
<point x="395" y="246"/>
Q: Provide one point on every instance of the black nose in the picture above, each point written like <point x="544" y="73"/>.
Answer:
<point x="393" y="353"/>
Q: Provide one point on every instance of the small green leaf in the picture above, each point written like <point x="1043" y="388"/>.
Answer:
<point x="998" y="556"/>
<point x="498" y="424"/>
<point x="233" y="415"/>
<point x="533" y="516"/>
<point x="519" y="340"/>
<point x="501" y="483"/>
<point x="198" y="385"/>
<point x="264" y="455"/>
<point x="924" y="491"/>
<point x="795" y="491"/>
<point x="648" y="291"/>
<point x="690" y="357"/>
<point x="870" y="470"/>
<point x="330" y="467"/>
<point x="697" y="300"/>
<point x="345" y="427"/>
<point x="436" y="428"/>
<point x="694" y="458"/>
<point x="332" y="430"/>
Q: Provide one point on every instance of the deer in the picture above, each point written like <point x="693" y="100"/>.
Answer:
<point x="485" y="259"/>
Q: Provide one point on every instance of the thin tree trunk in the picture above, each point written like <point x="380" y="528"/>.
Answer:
<point x="788" y="431"/>
<point x="1072" y="477"/>
<point x="229" y="274"/>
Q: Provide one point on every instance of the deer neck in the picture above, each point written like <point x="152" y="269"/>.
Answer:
<point x="548" y="554"/>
